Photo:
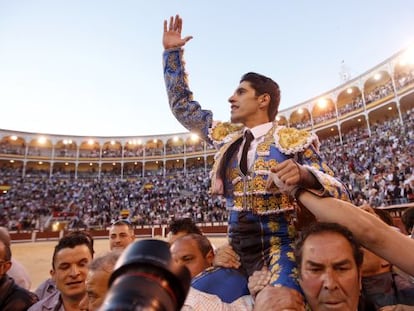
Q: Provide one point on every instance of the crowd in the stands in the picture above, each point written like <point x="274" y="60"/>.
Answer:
<point x="377" y="167"/>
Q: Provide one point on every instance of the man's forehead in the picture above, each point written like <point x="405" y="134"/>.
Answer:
<point x="327" y="247"/>
<point x="97" y="277"/>
<point x="184" y="245"/>
<point x="119" y="228"/>
<point x="73" y="254"/>
<point x="119" y="232"/>
<point x="176" y="236"/>
<point x="245" y="85"/>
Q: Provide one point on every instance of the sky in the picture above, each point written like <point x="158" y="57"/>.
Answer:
<point x="94" y="67"/>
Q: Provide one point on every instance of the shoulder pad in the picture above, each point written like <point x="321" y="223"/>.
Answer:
<point x="290" y="140"/>
<point x="223" y="132"/>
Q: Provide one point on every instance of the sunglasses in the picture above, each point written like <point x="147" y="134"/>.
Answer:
<point x="123" y="222"/>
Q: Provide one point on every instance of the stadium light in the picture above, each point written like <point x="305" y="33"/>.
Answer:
<point x="377" y="76"/>
<point x="41" y="140"/>
<point x="134" y="142"/>
<point x="194" y="137"/>
<point x="322" y="103"/>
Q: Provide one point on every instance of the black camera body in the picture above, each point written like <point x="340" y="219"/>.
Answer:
<point x="147" y="278"/>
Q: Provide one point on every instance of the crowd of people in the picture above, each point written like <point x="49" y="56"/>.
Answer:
<point x="377" y="168"/>
<point x="335" y="271"/>
<point x="96" y="203"/>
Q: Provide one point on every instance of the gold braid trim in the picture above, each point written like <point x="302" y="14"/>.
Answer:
<point x="222" y="132"/>
<point x="290" y="140"/>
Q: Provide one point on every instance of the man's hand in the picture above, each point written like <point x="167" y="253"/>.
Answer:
<point x="273" y="179"/>
<point x="226" y="257"/>
<point x="279" y="299"/>
<point x="292" y="174"/>
<point x="259" y="280"/>
<point x="172" y="33"/>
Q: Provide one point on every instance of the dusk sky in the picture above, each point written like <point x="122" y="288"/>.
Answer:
<point x="94" y="67"/>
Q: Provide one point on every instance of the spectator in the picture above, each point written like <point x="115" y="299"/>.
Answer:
<point x="70" y="261"/>
<point x="17" y="271"/>
<point x="224" y="256"/>
<point x="329" y="260"/>
<point x="12" y="296"/>
<point x="372" y="232"/>
<point x="121" y="234"/>
<point x="230" y="286"/>
<point x="180" y="227"/>
<point x="382" y="283"/>
<point x="97" y="281"/>
<point x="48" y="287"/>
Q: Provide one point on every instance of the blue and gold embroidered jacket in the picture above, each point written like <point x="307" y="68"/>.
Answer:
<point x="281" y="143"/>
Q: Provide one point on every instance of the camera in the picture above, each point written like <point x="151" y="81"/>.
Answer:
<point x="146" y="277"/>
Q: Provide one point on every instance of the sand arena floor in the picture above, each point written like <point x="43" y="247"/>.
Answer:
<point x="36" y="257"/>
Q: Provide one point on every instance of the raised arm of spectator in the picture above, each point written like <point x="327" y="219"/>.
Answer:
<point x="373" y="233"/>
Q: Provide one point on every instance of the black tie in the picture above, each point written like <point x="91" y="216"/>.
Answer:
<point x="248" y="137"/>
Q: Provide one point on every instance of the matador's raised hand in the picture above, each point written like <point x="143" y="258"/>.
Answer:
<point x="172" y="33"/>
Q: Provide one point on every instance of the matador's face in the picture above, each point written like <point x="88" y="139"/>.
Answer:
<point x="246" y="107"/>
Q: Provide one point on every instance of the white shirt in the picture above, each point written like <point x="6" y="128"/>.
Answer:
<point x="199" y="301"/>
<point x="258" y="132"/>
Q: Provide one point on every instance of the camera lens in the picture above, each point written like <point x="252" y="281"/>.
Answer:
<point x="146" y="278"/>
